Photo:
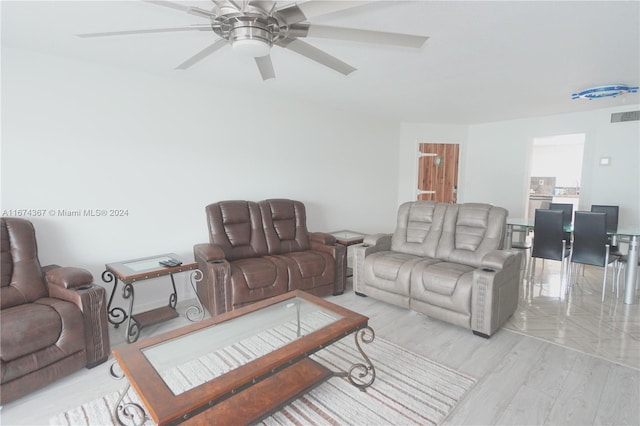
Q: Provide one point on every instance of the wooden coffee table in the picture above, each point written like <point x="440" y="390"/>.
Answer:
<point x="277" y="372"/>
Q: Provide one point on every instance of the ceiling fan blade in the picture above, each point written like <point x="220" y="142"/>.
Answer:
<point x="202" y="54"/>
<point x="200" y="27"/>
<point x="365" y="36"/>
<point x="304" y="11"/>
<point x="266" y="5"/>
<point x="266" y="67"/>
<point x="317" y="55"/>
<point x="183" y="8"/>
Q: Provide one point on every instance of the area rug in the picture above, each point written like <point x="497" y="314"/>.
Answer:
<point x="408" y="389"/>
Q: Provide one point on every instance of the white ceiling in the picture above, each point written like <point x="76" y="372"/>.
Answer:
<point x="484" y="61"/>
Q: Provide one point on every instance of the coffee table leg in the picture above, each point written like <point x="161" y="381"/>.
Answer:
<point x="196" y="312"/>
<point x="126" y="414"/>
<point x="359" y="372"/>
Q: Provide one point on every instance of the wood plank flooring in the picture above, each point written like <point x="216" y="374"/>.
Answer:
<point x="522" y="380"/>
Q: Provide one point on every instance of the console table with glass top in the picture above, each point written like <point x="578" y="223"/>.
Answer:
<point x="348" y="238"/>
<point x="136" y="270"/>
<point x="239" y="366"/>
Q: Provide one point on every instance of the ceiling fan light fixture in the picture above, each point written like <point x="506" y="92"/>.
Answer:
<point x="251" y="38"/>
<point x="254" y="48"/>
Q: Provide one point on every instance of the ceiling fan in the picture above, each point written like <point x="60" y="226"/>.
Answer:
<point x="253" y="27"/>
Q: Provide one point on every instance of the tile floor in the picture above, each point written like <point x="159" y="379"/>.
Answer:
<point x="578" y="319"/>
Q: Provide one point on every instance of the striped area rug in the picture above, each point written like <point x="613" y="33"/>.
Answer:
<point x="409" y="389"/>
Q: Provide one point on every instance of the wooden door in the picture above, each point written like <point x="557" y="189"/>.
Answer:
<point x="438" y="172"/>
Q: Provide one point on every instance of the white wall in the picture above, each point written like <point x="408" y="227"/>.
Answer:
<point x="495" y="159"/>
<point x="83" y="136"/>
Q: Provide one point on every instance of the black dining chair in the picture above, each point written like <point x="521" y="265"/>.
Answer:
<point x="549" y="240"/>
<point x="567" y="209"/>
<point x="590" y="247"/>
<point x="612" y="213"/>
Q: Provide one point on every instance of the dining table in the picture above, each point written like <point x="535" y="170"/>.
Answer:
<point x="624" y="233"/>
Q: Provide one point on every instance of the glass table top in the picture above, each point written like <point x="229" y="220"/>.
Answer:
<point x="210" y="352"/>
<point x="150" y="264"/>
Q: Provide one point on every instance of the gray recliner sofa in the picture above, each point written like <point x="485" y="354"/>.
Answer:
<point x="445" y="261"/>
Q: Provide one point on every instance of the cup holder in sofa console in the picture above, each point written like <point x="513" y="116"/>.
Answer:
<point x="488" y="270"/>
<point x="366" y="245"/>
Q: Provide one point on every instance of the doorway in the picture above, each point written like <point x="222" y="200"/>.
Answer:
<point x="438" y="172"/>
<point x="556" y="171"/>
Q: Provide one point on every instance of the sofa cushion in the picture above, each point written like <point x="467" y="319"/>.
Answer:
<point x="28" y="328"/>
<point x="470" y="231"/>
<point x="418" y="228"/>
<point x="21" y="278"/>
<point x="441" y="277"/>
<point x="310" y="263"/>
<point x="52" y="332"/>
<point x="257" y="278"/>
<point x="236" y="227"/>
<point x="285" y="225"/>
<point x="309" y="269"/>
<point x="445" y="285"/>
<point x="390" y="271"/>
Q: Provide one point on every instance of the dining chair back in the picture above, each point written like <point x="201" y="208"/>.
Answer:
<point x="549" y="239"/>
<point x="548" y="235"/>
<point x="590" y="244"/>
<point x="612" y="225"/>
<point x="568" y="212"/>
<point x="612" y="213"/>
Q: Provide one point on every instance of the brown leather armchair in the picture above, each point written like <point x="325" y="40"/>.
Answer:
<point x="53" y="320"/>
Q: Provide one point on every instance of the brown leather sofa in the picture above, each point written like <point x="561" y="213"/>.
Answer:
<point x="262" y="249"/>
<point x="53" y="320"/>
<point x="445" y="261"/>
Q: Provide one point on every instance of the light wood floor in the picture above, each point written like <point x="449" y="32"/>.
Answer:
<point x="522" y="380"/>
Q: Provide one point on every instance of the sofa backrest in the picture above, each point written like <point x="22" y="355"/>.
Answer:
<point x="245" y="229"/>
<point x="418" y="228"/>
<point x="285" y="225"/>
<point x="236" y="226"/>
<point x="470" y="231"/>
<point x="461" y="233"/>
<point x="22" y="280"/>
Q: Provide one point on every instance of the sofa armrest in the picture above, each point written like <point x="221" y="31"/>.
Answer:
<point x="207" y="252"/>
<point x="497" y="259"/>
<point x="68" y="277"/>
<point x="214" y="289"/>
<point x="370" y="244"/>
<point x="322" y="238"/>
<point x="70" y="285"/>
<point x="339" y="254"/>
<point x="495" y="291"/>
<point x="379" y="242"/>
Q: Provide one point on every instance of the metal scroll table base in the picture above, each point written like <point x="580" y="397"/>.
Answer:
<point x="274" y="392"/>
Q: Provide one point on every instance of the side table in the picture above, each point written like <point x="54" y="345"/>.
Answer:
<point x="348" y="238"/>
<point x="136" y="270"/>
